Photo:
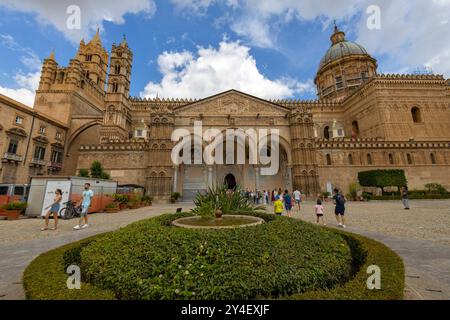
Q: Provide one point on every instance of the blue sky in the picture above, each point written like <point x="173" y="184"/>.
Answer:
<point x="195" y="48"/>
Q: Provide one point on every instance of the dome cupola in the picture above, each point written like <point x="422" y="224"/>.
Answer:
<point x="345" y="66"/>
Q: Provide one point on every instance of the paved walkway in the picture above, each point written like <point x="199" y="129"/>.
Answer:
<point x="420" y="236"/>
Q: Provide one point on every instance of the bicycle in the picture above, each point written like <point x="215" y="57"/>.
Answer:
<point x="70" y="211"/>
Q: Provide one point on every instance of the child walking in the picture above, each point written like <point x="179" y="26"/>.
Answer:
<point x="319" y="212"/>
<point x="278" y="206"/>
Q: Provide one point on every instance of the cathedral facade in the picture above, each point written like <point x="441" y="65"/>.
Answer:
<point x="361" y="121"/>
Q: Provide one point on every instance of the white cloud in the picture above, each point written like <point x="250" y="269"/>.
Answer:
<point x="93" y="13"/>
<point x="212" y="70"/>
<point x="22" y="95"/>
<point x="413" y="32"/>
<point x="27" y="83"/>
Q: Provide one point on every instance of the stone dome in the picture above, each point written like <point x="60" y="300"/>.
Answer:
<point x="340" y="50"/>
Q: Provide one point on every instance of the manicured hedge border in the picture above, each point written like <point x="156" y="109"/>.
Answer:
<point x="373" y="253"/>
<point x="45" y="277"/>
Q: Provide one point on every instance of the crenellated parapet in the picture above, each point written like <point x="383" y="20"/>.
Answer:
<point x="377" y="143"/>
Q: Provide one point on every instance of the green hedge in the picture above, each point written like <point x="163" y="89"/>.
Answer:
<point x="366" y="252"/>
<point x="382" y="178"/>
<point x="286" y="256"/>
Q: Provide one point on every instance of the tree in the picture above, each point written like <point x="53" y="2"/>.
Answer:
<point x="382" y="178"/>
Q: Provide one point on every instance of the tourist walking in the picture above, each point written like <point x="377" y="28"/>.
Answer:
<point x="287" y="203"/>
<point x="278" y="206"/>
<point x="405" y="197"/>
<point x="297" y="198"/>
<point x="54" y="209"/>
<point x="339" y="211"/>
<point x="88" y="194"/>
<point x="319" y="209"/>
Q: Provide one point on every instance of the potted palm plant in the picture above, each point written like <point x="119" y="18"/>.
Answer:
<point x="146" y="200"/>
<point x="174" y="197"/>
<point x="13" y="210"/>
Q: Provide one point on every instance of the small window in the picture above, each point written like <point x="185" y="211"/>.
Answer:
<point x="89" y="57"/>
<point x="326" y="132"/>
<point x="56" y="156"/>
<point x="432" y="158"/>
<point x="364" y="75"/>
<point x="42" y="130"/>
<point x="350" y="159"/>
<point x="391" y="158"/>
<point x="117" y="69"/>
<point x="12" y="148"/>
<point x="328" y="160"/>
<point x="369" y="159"/>
<point x="115" y="87"/>
<point x="416" y="115"/>
<point x="339" y="83"/>
<point x="19" y="191"/>
<point x="39" y="153"/>
<point x="19" y="120"/>
<point x="409" y="158"/>
<point x="3" y="190"/>
<point x="58" y="135"/>
<point x="138" y="133"/>
<point x="355" y="129"/>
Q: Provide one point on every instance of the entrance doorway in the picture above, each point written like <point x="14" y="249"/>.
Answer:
<point x="230" y="181"/>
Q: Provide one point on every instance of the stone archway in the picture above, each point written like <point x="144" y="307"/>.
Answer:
<point x="230" y="181"/>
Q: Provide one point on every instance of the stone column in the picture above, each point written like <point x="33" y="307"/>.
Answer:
<point x="210" y="177"/>
<point x="256" y="178"/>
<point x="175" y="178"/>
<point x="289" y="168"/>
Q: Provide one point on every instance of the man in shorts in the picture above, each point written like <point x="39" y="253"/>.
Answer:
<point x="85" y="203"/>
<point x="298" y="198"/>
<point x="339" y="211"/>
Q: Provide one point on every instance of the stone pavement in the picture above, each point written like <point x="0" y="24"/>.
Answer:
<point x="420" y="236"/>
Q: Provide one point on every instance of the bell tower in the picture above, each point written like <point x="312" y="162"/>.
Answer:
<point x="94" y="60"/>
<point x="117" y="120"/>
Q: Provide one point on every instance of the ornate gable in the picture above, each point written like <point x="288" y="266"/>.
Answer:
<point x="231" y="103"/>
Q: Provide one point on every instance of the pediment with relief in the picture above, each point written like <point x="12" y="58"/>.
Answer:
<point x="231" y="103"/>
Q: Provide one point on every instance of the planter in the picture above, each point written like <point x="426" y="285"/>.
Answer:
<point x="134" y="206"/>
<point x="122" y="206"/>
<point x="11" y="214"/>
<point x="112" y="210"/>
<point x="218" y="214"/>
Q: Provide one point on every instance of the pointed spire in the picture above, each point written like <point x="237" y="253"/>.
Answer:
<point x="124" y="41"/>
<point x="96" y="39"/>
<point x="52" y="55"/>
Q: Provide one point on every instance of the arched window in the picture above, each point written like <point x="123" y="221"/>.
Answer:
<point x="355" y="129"/>
<point x="326" y="132"/>
<point x="115" y="87"/>
<point x="350" y="159"/>
<point x="369" y="159"/>
<point x="328" y="160"/>
<point x="391" y="158"/>
<point x="409" y="158"/>
<point x="432" y="158"/>
<point x="117" y="69"/>
<point x="416" y="115"/>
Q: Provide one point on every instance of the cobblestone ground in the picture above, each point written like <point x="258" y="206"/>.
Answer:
<point x="421" y="236"/>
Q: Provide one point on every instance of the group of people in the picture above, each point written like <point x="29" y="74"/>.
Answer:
<point x="285" y="202"/>
<point x="84" y="203"/>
